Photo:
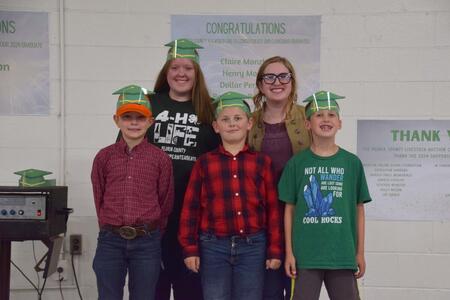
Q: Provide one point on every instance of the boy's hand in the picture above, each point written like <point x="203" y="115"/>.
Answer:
<point x="273" y="263"/>
<point x="192" y="263"/>
<point x="361" y="262"/>
<point x="289" y="266"/>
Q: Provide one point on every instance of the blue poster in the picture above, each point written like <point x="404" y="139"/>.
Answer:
<point x="24" y="63"/>
<point x="235" y="47"/>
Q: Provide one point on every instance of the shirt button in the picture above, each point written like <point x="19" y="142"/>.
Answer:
<point x="237" y="194"/>
<point x="241" y="231"/>
<point x="131" y="157"/>
<point x="234" y="176"/>
<point x="239" y="213"/>
<point x="234" y="158"/>
<point x="129" y="177"/>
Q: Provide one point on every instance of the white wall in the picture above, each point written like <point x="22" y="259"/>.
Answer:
<point x="391" y="58"/>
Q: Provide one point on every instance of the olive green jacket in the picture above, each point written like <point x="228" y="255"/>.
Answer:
<point x="295" y="124"/>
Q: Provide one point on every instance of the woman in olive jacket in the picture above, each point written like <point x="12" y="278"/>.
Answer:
<point x="279" y="131"/>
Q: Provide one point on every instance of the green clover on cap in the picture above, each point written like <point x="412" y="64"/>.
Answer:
<point x="32" y="177"/>
<point x="321" y="100"/>
<point x="133" y="98"/>
<point x="230" y="99"/>
<point x="183" y="48"/>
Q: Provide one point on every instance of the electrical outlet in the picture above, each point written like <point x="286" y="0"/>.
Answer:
<point x="63" y="271"/>
<point x="75" y="244"/>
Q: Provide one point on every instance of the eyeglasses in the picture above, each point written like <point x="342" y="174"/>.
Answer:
<point x="270" y="78"/>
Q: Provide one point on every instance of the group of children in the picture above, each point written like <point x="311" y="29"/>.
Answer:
<point x="231" y="225"/>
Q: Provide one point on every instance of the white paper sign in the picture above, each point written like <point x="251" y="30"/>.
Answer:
<point x="407" y="165"/>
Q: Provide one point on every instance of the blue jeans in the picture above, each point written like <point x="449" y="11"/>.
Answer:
<point x="232" y="268"/>
<point x="116" y="256"/>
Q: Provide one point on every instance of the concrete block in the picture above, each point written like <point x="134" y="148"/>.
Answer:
<point x="376" y="293"/>
<point x="118" y="63"/>
<point x="119" y="29"/>
<point x="14" y="159"/>
<point x="405" y="99"/>
<point x="429" y="6"/>
<point x="443" y="29"/>
<point x="81" y="200"/>
<point x="404" y="30"/>
<point x="441" y="237"/>
<point x="382" y="269"/>
<point x="90" y="132"/>
<point x="79" y="165"/>
<point x="343" y="65"/>
<point x="92" y="97"/>
<point x="35" y="131"/>
<point x="397" y="237"/>
<point x="343" y="31"/>
<point x="441" y="96"/>
<point x="100" y="6"/>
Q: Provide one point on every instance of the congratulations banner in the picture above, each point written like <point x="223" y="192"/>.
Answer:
<point x="407" y="165"/>
<point x="235" y="47"/>
<point x="24" y="63"/>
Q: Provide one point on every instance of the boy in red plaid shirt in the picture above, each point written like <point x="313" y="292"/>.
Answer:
<point x="230" y="226"/>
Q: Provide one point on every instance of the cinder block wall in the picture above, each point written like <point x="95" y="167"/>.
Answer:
<point x="390" y="58"/>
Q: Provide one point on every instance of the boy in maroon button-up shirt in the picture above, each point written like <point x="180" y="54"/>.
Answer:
<point x="133" y="192"/>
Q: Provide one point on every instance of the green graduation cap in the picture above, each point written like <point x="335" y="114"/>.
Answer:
<point x="322" y="100"/>
<point x="34" y="177"/>
<point x="183" y="48"/>
<point x="133" y="98"/>
<point x="230" y="99"/>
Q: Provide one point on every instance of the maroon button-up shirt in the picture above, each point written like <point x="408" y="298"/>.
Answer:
<point x="132" y="187"/>
<point x="231" y="195"/>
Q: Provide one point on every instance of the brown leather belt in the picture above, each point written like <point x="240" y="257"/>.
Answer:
<point x="131" y="232"/>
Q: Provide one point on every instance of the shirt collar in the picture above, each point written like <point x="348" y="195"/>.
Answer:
<point x="246" y="149"/>
<point x="123" y="147"/>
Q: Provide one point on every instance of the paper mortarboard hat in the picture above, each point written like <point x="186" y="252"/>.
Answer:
<point x="183" y="48"/>
<point x="230" y="99"/>
<point x="33" y="177"/>
<point x="133" y="98"/>
<point x="321" y="100"/>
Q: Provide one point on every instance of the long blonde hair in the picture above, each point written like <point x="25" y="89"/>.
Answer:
<point x="201" y="100"/>
<point x="258" y="99"/>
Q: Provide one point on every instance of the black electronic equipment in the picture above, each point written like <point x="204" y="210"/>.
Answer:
<point x="32" y="213"/>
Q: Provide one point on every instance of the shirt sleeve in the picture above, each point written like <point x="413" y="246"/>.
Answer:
<point x="363" y="190"/>
<point x="165" y="189"/>
<point x="190" y="213"/>
<point x="273" y="214"/>
<point x="98" y="182"/>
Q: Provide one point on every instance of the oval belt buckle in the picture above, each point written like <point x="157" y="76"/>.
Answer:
<point x="127" y="232"/>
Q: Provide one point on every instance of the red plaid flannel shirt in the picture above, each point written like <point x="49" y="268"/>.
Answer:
<point x="231" y="195"/>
